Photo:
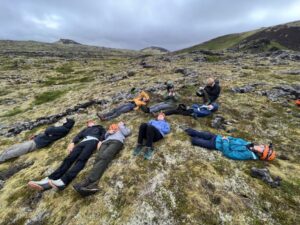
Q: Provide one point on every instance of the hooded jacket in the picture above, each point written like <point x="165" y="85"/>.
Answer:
<point x="120" y="135"/>
<point x="52" y="134"/>
<point x="161" y="125"/>
<point x="138" y="100"/>
<point x="235" y="148"/>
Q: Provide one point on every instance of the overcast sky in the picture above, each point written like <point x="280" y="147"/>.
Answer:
<point x="136" y="24"/>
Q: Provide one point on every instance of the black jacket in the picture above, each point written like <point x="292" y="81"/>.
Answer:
<point x="213" y="92"/>
<point x="96" y="131"/>
<point x="52" y="134"/>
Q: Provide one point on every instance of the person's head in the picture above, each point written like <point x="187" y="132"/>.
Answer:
<point x="161" y="116"/>
<point x="69" y="123"/>
<point x="145" y="99"/>
<point x="90" y="123"/>
<point x="113" y="128"/>
<point x="265" y="152"/>
<point x="210" y="82"/>
<point x="170" y="86"/>
<point x="213" y="107"/>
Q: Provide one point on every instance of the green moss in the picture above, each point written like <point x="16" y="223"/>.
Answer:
<point x="213" y="58"/>
<point x="65" y="69"/>
<point x="13" y="112"/>
<point x="48" y="96"/>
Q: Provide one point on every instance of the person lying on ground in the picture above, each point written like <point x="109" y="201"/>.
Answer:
<point x="150" y="132"/>
<point x="195" y="110"/>
<point x="210" y="92"/>
<point x="110" y="147"/>
<point x="50" y="135"/>
<point x="141" y="100"/>
<point x="170" y="100"/>
<point x="231" y="147"/>
<point x="80" y="150"/>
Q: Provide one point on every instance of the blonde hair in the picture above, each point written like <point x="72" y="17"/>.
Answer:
<point x="210" y="81"/>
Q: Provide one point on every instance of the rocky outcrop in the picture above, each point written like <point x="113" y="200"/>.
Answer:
<point x="247" y="88"/>
<point x="19" y="127"/>
<point x="67" y="42"/>
<point x="284" y="91"/>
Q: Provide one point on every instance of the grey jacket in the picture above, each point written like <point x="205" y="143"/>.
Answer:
<point x="119" y="135"/>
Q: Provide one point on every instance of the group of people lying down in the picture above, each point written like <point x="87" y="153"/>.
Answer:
<point x="108" y="143"/>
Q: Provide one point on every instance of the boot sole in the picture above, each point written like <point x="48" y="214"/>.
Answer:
<point x="35" y="186"/>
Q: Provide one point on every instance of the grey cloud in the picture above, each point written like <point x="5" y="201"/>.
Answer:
<point x="136" y="24"/>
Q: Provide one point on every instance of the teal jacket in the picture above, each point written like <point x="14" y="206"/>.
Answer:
<point x="235" y="148"/>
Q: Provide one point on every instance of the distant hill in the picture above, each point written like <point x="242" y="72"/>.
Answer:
<point x="67" y="42"/>
<point x="62" y="48"/>
<point x="154" y="50"/>
<point x="285" y="36"/>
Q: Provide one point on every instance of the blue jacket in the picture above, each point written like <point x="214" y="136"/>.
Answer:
<point x="161" y="125"/>
<point x="235" y="148"/>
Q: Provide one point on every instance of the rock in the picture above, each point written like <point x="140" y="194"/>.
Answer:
<point x="1" y="184"/>
<point x="218" y="122"/>
<point x="247" y="88"/>
<point x="19" y="127"/>
<point x="13" y="169"/>
<point x="283" y="91"/>
<point x="186" y="72"/>
<point x="291" y="72"/>
<point x="39" y="219"/>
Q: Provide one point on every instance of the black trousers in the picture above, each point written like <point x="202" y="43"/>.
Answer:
<point x="179" y="111"/>
<point x="149" y="133"/>
<point x="74" y="162"/>
<point x="107" y="152"/>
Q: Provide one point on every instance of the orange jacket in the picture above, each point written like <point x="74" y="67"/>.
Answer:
<point x="139" y="99"/>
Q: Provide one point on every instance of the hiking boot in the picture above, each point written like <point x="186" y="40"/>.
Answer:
<point x="145" y="109"/>
<point x="57" y="184"/>
<point x="148" y="153"/>
<point x="81" y="184"/>
<point x="41" y="185"/>
<point x="138" y="149"/>
<point x="265" y="176"/>
<point x="88" y="190"/>
<point x="101" y="117"/>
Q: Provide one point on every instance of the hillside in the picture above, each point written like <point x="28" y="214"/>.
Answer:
<point x="285" y="36"/>
<point x="63" y="48"/>
<point x="154" y="50"/>
<point x="182" y="184"/>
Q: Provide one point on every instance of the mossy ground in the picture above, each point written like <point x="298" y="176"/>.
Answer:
<point x="182" y="184"/>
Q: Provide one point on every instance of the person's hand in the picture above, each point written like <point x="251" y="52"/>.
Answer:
<point x="99" y="145"/>
<point x="120" y="124"/>
<point x="210" y="107"/>
<point x="70" y="147"/>
<point x="32" y="137"/>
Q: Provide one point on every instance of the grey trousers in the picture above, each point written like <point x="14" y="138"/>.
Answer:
<point x="107" y="152"/>
<point x="161" y="106"/>
<point x="17" y="150"/>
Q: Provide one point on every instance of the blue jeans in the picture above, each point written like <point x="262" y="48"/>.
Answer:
<point x="202" y="139"/>
<point x="127" y="107"/>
